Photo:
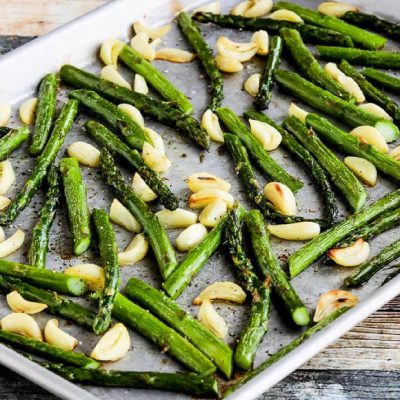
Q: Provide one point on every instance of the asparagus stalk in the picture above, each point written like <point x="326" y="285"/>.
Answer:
<point x="134" y="61"/>
<point x="374" y="265"/>
<point x="308" y="65"/>
<point x="45" y="111"/>
<point x="12" y="140"/>
<point x="309" y="33"/>
<point x="373" y="58"/>
<point x="340" y="175"/>
<point x="48" y="351"/>
<point x="265" y="162"/>
<point x="257" y="324"/>
<point x="359" y="36"/>
<point x="109" y="256"/>
<point x="152" y="227"/>
<point x="303" y="257"/>
<point x="171" y="342"/>
<point x="349" y="144"/>
<point x="77" y="207"/>
<point x="168" y="311"/>
<point x="56" y="304"/>
<point x="194" y="261"/>
<point x="318" y="173"/>
<point x="193" y="35"/>
<point x="132" y="157"/>
<point x="286" y="349"/>
<point x="264" y="94"/>
<point x="158" y="110"/>
<point x="191" y="384"/>
<point x="382" y="79"/>
<point x="43" y="162"/>
<point x="268" y="266"/>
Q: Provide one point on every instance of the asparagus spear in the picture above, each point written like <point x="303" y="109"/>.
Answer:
<point x="382" y="79"/>
<point x="109" y="256"/>
<point x="191" y="384"/>
<point x="158" y="110"/>
<point x="152" y="227"/>
<point x="132" y="157"/>
<point x="194" y="261"/>
<point x="374" y="265"/>
<point x="349" y="144"/>
<point x="359" y="36"/>
<point x="78" y="212"/>
<point x="309" y="33"/>
<point x="43" y="162"/>
<point x="373" y="58"/>
<point x="48" y="351"/>
<point x="265" y="162"/>
<point x="303" y="257"/>
<point x="12" y="140"/>
<point x="168" y="311"/>
<point x="134" y="61"/>
<point x="286" y="349"/>
<point x="308" y="65"/>
<point x="171" y="342"/>
<point x="260" y="291"/>
<point x="319" y="174"/>
<point x="196" y="40"/>
<point x="340" y="175"/>
<point x="40" y="235"/>
<point x="45" y="111"/>
<point x="268" y="266"/>
<point x="264" y="94"/>
<point x="56" y="304"/>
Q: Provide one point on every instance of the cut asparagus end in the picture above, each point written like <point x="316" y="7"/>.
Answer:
<point x="77" y="286"/>
<point x="301" y="316"/>
<point x="81" y="246"/>
<point x="389" y="130"/>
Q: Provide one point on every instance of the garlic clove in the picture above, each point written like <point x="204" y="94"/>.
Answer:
<point x="238" y="51"/>
<point x="155" y="159"/>
<point x="281" y="197"/>
<point x="351" y="86"/>
<point x="350" y="256"/>
<point x="269" y="137"/>
<point x="209" y="317"/>
<point x="240" y="8"/>
<point x="205" y="180"/>
<point x="333" y="71"/>
<point x="286" y="15"/>
<point x="190" y="237"/>
<point x="92" y="274"/>
<point x="4" y="202"/>
<point x="140" y="85"/>
<point x="12" y="244"/>
<point x="85" y="153"/>
<point x="370" y="135"/>
<point x="27" y="111"/>
<point x="204" y="197"/>
<point x="109" y="73"/>
<point x="5" y="113"/>
<point x="22" y="324"/>
<point x="213" y="213"/>
<point x="19" y="305"/>
<point x="210" y="124"/>
<point x="2" y="235"/>
<point x="135" y="251"/>
<point x="363" y="169"/>
<point x="213" y="7"/>
<point x="258" y="8"/>
<point x="335" y="9"/>
<point x="175" y="55"/>
<point x="141" y="44"/>
<point x="228" y="291"/>
<point x="395" y="153"/>
<point x="152" y="33"/>
<point x="261" y="38"/>
<point x="228" y="64"/>
<point x="298" y="112"/>
<point x="7" y="176"/>
<point x="57" y="337"/>
<point x="120" y="215"/>
<point x="375" y="110"/>
<point x="141" y="189"/>
<point x="297" y="231"/>
<point x="109" y="52"/>
<point x="133" y="113"/>
<point x="252" y="84"/>
<point x="178" y="218"/>
<point x="155" y="139"/>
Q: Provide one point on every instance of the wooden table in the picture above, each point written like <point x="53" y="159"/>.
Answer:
<point x="364" y="364"/>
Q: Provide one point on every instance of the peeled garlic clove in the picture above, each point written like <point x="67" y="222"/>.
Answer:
<point x="19" y="305"/>
<point x="191" y="237"/>
<point x="204" y="197"/>
<point x="370" y="135"/>
<point x="335" y="9"/>
<point x="121" y="216"/>
<point x="205" y="180"/>
<point x="155" y="159"/>
<point x="213" y="213"/>
<point x="332" y="301"/>
<point x="12" y="244"/>
<point x="141" y="189"/>
<point x="4" y="202"/>
<point x="141" y="44"/>
<point x="228" y="64"/>
<point x="2" y="235"/>
<point x="114" y="344"/>
<point x="209" y="317"/>
<point x="135" y="251"/>
<point x="237" y="51"/>
<point x="140" y="84"/>
<point x="133" y="113"/>
<point x="281" y="197"/>
<point x="213" y="7"/>
<point x="351" y="86"/>
<point x="22" y="324"/>
<point x="286" y="15"/>
<point x="109" y="73"/>
<point x="261" y="38"/>
<point x="395" y="153"/>
<point x="57" y="337"/>
<point x="363" y="169"/>
<point x="333" y="71"/>
<point x="210" y="124"/>
<point x="178" y="218"/>
<point x="106" y="51"/>
<point x="85" y="153"/>
<point x="92" y="274"/>
<point x="375" y="110"/>
<point x="298" y="231"/>
<point x="228" y="291"/>
<point x="252" y="84"/>
<point x="298" y="112"/>
<point x="269" y="137"/>
<point x="5" y="113"/>
<point x="7" y="176"/>
<point x="152" y="33"/>
<point x="240" y="8"/>
<point x="156" y="140"/>
<point x="27" y="111"/>
<point x="175" y="55"/>
<point x="258" y="8"/>
<point x="350" y="256"/>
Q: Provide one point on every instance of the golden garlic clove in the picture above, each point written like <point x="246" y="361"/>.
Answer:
<point x="297" y="231"/>
<point x="135" y="251"/>
<point x="204" y="197"/>
<point x="281" y="197"/>
<point x="205" y="180"/>
<point x="19" y="305"/>
<point x="213" y="213"/>
<point x="178" y="218"/>
<point x="27" y="111"/>
<point x="22" y="324"/>
<point x="121" y="216"/>
<point x="350" y="256"/>
<point x="335" y="9"/>
<point x="269" y="137"/>
<point x="85" y="153"/>
<point x="210" y="124"/>
<point x="370" y="135"/>
<point x="57" y="337"/>
<point x="228" y="291"/>
<point x="209" y="317"/>
<point x="363" y="169"/>
<point x="332" y="301"/>
<point x="190" y="237"/>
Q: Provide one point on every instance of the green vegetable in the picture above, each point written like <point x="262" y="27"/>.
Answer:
<point x="382" y="79"/>
<point x="12" y="140"/>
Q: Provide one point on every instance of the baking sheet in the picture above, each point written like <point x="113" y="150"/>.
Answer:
<point x="78" y="43"/>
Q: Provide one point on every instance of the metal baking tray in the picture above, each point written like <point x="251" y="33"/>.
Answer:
<point x="78" y="43"/>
